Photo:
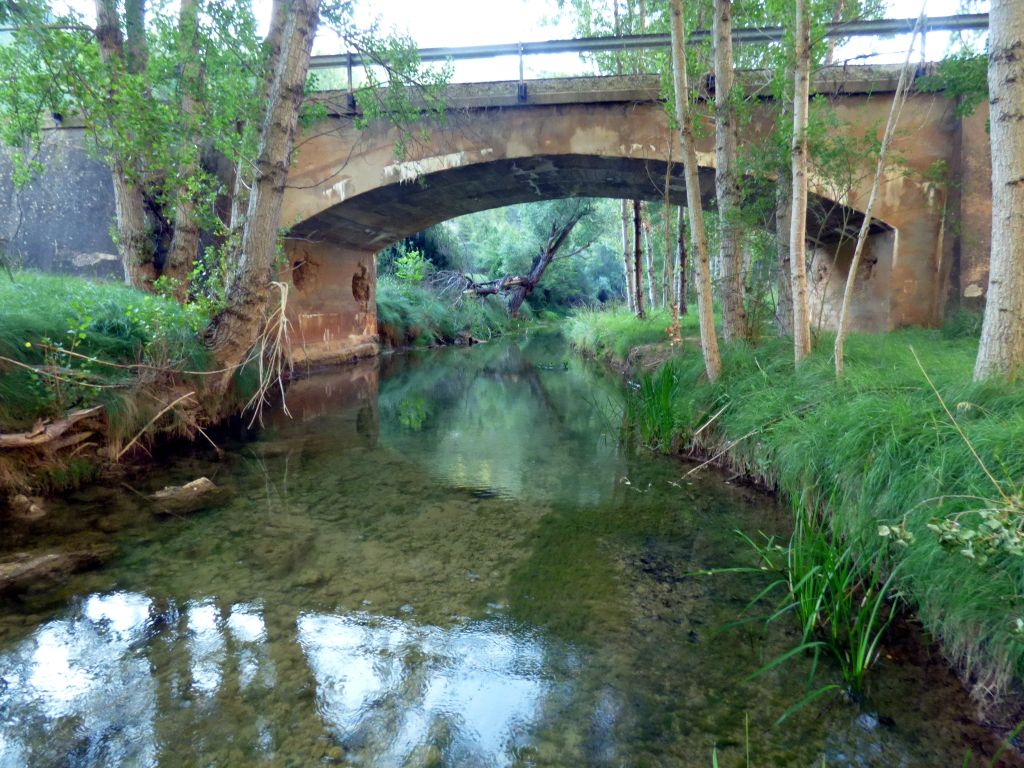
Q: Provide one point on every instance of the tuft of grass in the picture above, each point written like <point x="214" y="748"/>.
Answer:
<point x="410" y="314"/>
<point x="873" y="452"/>
<point x="614" y="332"/>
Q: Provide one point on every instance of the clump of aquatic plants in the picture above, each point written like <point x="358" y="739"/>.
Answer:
<point x="651" y="405"/>
<point x="843" y="602"/>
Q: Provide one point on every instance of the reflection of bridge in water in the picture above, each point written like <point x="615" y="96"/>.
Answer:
<point x="514" y="142"/>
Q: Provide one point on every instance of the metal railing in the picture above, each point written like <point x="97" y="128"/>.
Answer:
<point x="872" y="28"/>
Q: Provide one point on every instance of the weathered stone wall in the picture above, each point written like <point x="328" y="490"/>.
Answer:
<point x="61" y="220"/>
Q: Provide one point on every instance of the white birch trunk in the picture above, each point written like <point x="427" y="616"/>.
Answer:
<point x="798" y="218"/>
<point x="1001" y="351"/>
<point x="727" y="181"/>
<point x="681" y="88"/>
<point x="899" y="98"/>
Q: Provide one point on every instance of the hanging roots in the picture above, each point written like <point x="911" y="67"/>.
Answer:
<point x="273" y="357"/>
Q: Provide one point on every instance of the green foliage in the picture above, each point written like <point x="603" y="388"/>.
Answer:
<point x="76" y="327"/>
<point x="877" y="449"/>
<point x="397" y="87"/>
<point x="651" y="406"/>
<point x="962" y="77"/>
<point x="411" y="267"/>
<point x="134" y="114"/>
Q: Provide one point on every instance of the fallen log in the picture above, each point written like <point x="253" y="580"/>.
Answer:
<point x="42" y="433"/>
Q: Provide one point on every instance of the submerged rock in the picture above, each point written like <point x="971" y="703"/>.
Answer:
<point x="188" y="498"/>
<point x="27" y="509"/>
<point x="34" y="572"/>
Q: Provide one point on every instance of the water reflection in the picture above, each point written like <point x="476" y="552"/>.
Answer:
<point x="77" y="692"/>
<point x="80" y="691"/>
<point x="524" y="420"/>
<point x="397" y="692"/>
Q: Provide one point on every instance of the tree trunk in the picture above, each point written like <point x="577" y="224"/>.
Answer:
<point x="1001" y="351"/>
<point x="243" y="176"/>
<point x="637" y="261"/>
<point x="798" y="219"/>
<point x="132" y="224"/>
<point x="837" y="16"/>
<point x="136" y="51"/>
<point x="681" y="265"/>
<point x="667" y="276"/>
<point x="627" y="257"/>
<point x="708" y="338"/>
<point x="783" y="216"/>
<point x="727" y="181"/>
<point x="232" y="333"/>
<point x="185" y="242"/>
<point x="653" y="296"/>
<point x="898" y="100"/>
<point x="519" y="287"/>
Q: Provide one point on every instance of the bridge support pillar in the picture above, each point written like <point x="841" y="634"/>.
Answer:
<point x="332" y="305"/>
<point x="968" y="239"/>
<point x="871" y="309"/>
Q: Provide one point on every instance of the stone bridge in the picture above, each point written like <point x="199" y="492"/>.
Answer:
<point x="509" y="142"/>
<point x="514" y="142"/>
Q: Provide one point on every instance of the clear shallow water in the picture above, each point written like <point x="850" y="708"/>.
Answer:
<point x="455" y="561"/>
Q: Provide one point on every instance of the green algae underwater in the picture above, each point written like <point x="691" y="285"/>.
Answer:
<point x="446" y="558"/>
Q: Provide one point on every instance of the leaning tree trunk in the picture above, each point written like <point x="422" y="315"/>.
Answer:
<point x="233" y="331"/>
<point x="517" y="288"/>
<point x="798" y="218"/>
<point x="727" y="180"/>
<point x="898" y="100"/>
<point x="243" y="177"/>
<point x="133" y="241"/>
<point x="638" y="261"/>
<point x="1001" y="351"/>
<point x="681" y="88"/>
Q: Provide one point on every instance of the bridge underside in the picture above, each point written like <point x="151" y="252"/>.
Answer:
<point x="332" y="252"/>
<point x="383" y="216"/>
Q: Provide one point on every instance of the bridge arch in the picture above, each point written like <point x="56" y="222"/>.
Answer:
<point x="348" y="196"/>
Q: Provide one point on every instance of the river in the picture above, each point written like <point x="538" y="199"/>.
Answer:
<point x="448" y="558"/>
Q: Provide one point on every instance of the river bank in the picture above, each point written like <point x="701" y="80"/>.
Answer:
<point x="876" y="453"/>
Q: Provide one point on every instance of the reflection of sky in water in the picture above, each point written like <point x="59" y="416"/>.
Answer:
<point x="390" y="688"/>
<point x="78" y="687"/>
<point x="81" y="691"/>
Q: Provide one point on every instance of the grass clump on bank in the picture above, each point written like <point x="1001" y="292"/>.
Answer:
<point x="878" y="455"/>
<point x="614" y="332"/>
<point x="411" y="314"/>
<point x="68" y="343"/>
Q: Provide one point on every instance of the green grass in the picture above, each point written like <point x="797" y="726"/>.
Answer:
<point x="410" y="314"/>
<point x="614" y="332"/>
<point x="43" y="318"/>
<point x="876" y="449"/>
